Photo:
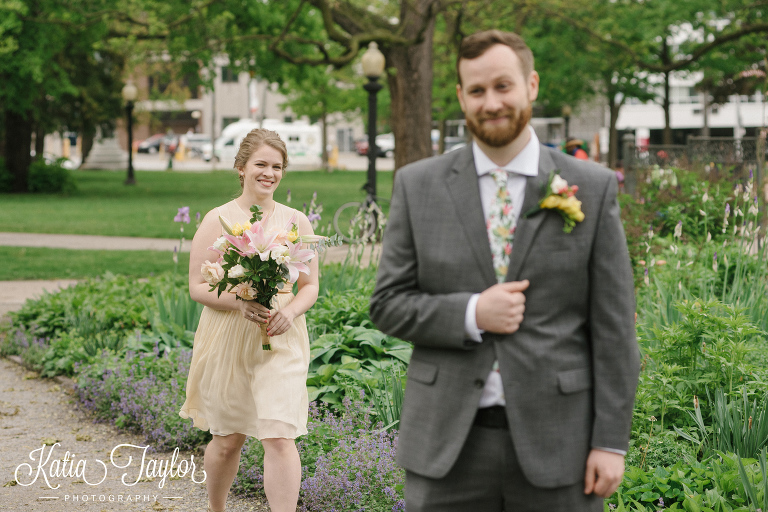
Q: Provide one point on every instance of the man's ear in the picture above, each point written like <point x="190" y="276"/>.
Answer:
<point x="533" y="86"/>
<point x="459" y="96"/>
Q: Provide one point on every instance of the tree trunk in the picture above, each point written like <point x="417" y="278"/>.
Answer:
<point x="39" y="142"/>
<point x="613" y="146"/>
<point x="705" y="111"/>
<point x="410" y="89"/>
<point x="2" y="133"/>
<point x="441" y="142"/>
<point x="667" y="122"/>
<point x="18" y="142"/>
<point x="88" y="135"/>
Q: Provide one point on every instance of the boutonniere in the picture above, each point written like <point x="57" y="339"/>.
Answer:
<point x="557" y="195"/>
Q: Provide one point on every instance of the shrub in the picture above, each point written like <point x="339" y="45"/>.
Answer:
<point x="345" y="465"/>
<point x="50" y="178"/>
<point x="651" y="450"/>
<point x="359" y="474"/>
<point x="142" y="393"/>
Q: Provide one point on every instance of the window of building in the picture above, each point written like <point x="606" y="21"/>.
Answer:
<point x="226" y="121"/>
<point x="228" y="75"/>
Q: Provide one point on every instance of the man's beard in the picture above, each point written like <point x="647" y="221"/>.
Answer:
<point x="497" y="137"/>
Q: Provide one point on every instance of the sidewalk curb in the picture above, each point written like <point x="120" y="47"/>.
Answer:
<point x="59" y="379"/>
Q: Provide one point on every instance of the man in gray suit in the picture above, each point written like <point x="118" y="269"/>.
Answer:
<point x="522" y="381"/>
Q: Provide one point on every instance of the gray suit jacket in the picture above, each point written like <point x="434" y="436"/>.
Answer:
<point x="569" y="372"/>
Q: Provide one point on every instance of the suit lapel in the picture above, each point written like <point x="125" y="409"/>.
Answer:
<point x="465" y="193"/>
<point x="527" y="227"/>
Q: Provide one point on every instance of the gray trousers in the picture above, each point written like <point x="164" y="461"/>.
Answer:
<point x="487" y="478"/>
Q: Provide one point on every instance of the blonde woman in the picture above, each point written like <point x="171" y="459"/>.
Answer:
<point x="235" y="388"/>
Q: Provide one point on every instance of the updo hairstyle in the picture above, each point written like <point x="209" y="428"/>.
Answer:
<point x="253" y="141"/>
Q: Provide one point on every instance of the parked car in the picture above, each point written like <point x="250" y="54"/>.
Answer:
<point x="361" y="145"/>
<point x="171" y="142"/>
<point x="151" y="144"/>
<point x="452" y="143"/>
<point x="385" y="143"/>
<point x="196" y="142"/>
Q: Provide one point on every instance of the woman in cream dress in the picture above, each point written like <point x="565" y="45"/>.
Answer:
<point x="235" y="388"/>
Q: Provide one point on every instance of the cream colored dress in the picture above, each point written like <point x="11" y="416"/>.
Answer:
<point x="234" y="385"/>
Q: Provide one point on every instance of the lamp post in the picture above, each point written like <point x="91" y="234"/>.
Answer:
<point x="130" y="92"/>
<point x="567" y="117"/>
<point x="373" y="67"/>
<point x="196" y="115"/>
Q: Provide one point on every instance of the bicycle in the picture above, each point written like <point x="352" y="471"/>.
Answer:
<point x="360" y="222"/>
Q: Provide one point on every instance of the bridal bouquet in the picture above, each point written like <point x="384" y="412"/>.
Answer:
<point x="255" y="264"/>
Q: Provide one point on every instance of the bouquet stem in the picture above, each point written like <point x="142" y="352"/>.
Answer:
<point x="265" y="345"/>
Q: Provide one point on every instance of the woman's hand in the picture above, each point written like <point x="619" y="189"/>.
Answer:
<point x="281" y="321"/>
<point x="254" y="311"/>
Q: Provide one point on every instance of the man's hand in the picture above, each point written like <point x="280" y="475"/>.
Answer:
<point x="500" y="308"/>
<point x="604" y="473"/>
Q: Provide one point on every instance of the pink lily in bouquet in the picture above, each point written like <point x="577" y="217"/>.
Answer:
<point x="261" y="242"/>
<point x="296" y="260"/>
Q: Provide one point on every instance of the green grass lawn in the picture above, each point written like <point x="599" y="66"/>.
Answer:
<point x="104" y="206"/>
<point x="21" y="263"/>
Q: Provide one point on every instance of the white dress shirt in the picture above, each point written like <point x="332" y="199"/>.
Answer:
<point x="525" y="164"/>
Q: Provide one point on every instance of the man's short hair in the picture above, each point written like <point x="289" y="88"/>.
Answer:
<point x="477" y="44"/>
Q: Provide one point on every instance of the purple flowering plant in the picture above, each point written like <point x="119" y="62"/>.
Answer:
<point x="346" y="464"/>
<point x="140" y="392"/>
<point x="314" y="211"/>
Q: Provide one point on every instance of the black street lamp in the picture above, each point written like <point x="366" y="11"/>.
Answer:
<point x="129" y="95"/>
<point x="567" y="117"/>
<point x="373" y="67"/>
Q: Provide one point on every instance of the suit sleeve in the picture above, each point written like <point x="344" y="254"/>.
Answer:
<point x="615" y="354"/>
<point x="398" y="307"/>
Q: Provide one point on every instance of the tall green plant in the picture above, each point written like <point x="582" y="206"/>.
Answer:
<point x="757" y="491"/>
<point x="388" y="398"/>
<point x="738" y="426"/>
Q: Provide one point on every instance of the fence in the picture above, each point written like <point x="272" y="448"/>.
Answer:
<point x="723" y="156"/>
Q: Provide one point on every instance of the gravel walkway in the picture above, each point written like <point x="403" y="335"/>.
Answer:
<point x="34" y="411"/>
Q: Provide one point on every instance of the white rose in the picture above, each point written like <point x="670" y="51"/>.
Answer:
<point x="281" y="258"/>
<point x="237" y="271"/>
<point x="244" y="291"/>
<point x="212" y="272"/>
<point x="558" y="184"/>
<point x="280" y="255"/>
<point x="220" y="244"/>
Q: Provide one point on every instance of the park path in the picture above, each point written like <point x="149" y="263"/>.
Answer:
<point x="34" y="411"/>
<point x="13" y="294"/>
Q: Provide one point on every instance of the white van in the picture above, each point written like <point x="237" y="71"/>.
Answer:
<point x="303" y="141"/>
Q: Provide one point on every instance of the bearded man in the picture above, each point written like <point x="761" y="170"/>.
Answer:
<point x="506" y="265"/>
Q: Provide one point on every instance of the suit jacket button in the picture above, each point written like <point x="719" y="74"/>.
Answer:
<point x="480" y="383"/>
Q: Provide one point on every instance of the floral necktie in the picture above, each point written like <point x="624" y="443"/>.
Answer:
<point x="501" y="225"/>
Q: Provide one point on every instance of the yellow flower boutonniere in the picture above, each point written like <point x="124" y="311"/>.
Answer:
<point x="558" y="195"/>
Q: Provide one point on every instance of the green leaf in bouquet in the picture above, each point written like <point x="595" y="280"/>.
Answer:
<point x="257" y="214"/>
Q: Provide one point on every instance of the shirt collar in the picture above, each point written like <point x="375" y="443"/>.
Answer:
<point x="525" y="163"/>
